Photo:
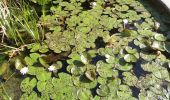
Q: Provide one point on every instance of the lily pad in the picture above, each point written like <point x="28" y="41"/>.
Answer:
<point x="104" y="69"/>
<point x="103" y="90"/>
<point x="160" y="37"/>
<point x="27" y="85"/>
<point x="130" y="58"/>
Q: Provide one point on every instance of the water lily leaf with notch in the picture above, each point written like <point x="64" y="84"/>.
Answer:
<point x="43" y="48"/>
<point x="129" y="79"/>
<point x="113" y="39"/>
<point x="59" y="42"/>
<point x="34" y="70"/>
<point x="107" y="10"/>
<point x="91" y="75"/>
<point x="124" y="66"/>
<point x="149" y="66"/>
<point x="103" y="90"/>
<point x="130" y="50"/>
<point x="104" y="69"/>
<point x="38" y="47"/>
<point x="34" y="47"/>
<point x="64" y="93"/>
<point x="64" y="79"/>
<point x="130" y="58"/>
<point x="33" y="95"/>
<point x="74" y="57"/>
<point x="84" y="94"/>
<point x="43" y="76"/>
<point x="43" y="62"/>
<point x="124" y="91"/>
<point x="160" y="37"/>
<point x="82" y="82"/>
<point x="110" y="59"/>
<point x="128" y="33"/>
<point x="158" y="45"/>
<point x="45" y="96"/>
<point x="101" y="80"/>
<point x="147" y="33"/>
<point x="162" y="74"/>
<point x="27" y="85"/>
<point x="145" y="14"/>
<point x="34" y="56"/>
<point x="121" y="8"/>
<point x="76" y="70"/>
<point x="49" y="87"/>
<point x="104" y="51"/>
<point x="83" y="29"/>
<point x="32" y="59"/>
<point x="41" y="86"/>
<point x="107" y="22"/>
<point x="146" y="56"/>
<point x="29" y="61"/>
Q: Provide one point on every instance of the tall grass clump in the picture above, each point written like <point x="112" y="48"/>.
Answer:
<point x="7" y="26"/>
<point x="18" y="22"/>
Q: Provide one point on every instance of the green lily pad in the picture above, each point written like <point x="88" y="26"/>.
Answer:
<point x="104" y="69"/>
<point x="125" y="67"/>
<point x="91" y="74"/>
<point x="27" y="85"/>
<point x="130" y="50"/>
<point x="124" y="91"/>
<point x="130" y="58"/>
<point x="103" y="90"/>
<point x="41" y="86"/>
<point x="160" y="37"/>
<point x="129" y="79"/>
<point x="43" y="62"/>
<point x="158" y="45"/>
<point x="43" y="76"/>
<point x="84" y="94"/>
<point x="110" y="59"/>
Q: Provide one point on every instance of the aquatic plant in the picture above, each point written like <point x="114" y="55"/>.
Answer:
<point x="101" y="50"/>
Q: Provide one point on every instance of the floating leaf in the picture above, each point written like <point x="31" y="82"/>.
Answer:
<point x="27" y="85"/>
<point x="158" y="45"/>
<point x="130" y="50"/>
<point x="104" y="69"/>
<point x="43" y="76"/>
<point x="84" y="94"/>
<point x="130" y="58"/>
<point x="103" y="90"/>
<point x="160" y="37"/>
<point x="41" y="86"/>
<point x="91" y="75"/>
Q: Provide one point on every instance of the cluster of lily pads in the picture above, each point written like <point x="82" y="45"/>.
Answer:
<point x="97" y="50"/>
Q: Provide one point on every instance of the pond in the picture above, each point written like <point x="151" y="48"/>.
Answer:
<point x="84" y="50"/>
